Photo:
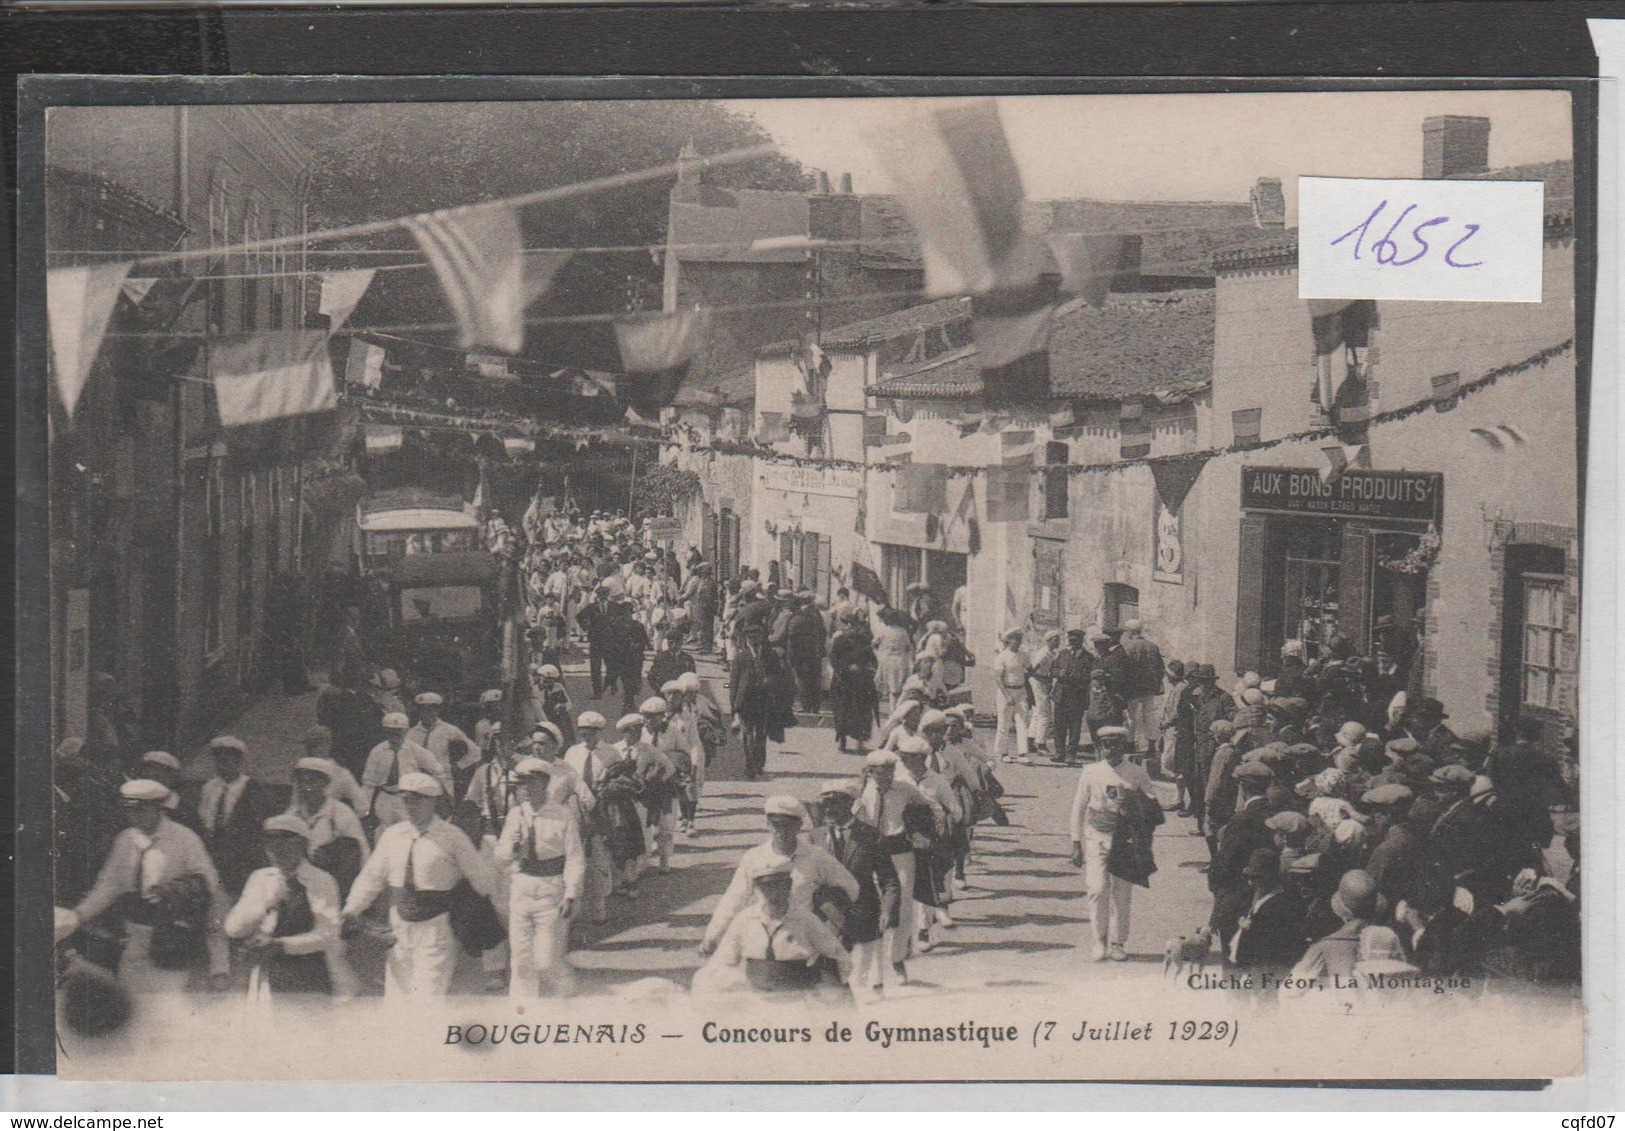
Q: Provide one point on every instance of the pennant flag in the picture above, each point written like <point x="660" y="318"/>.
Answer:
<point x="1444" y="391"/>
<point x="1090" y="264"/>
<point x="1247" y="425"/>
<point x="920" y="488"/>
<point x="1175" y="477"/>
<point x="341" y="290"/>
<point x="1341" y="457"/>
<point x="365" y="365"/>
<point x="1017" y="449"/>
<point x="136" y="290"/>
<point x="1334" y="323"/>
<point x="867" y="582"/>
<point x="266" y="376"/>
<point x="1134" y="431"/>
<point x="383" y="438"/>
<point x="1008" y="494"/>
<point x="1012" y="343"/>
<point x="78" y="303"/>
<point x="1352" y="407"/>
<point x="774" y="428"/>
<point x="958" y="183"/>
<point x="655" y="352"/>
<point x="477" y="254"/>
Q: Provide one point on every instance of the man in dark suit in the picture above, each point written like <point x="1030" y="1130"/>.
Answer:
<point x="1270" y="937"/>
<point x="1241" y="836"/>
<point x="862" y="922"/>
<point x="594" y="620"/>
<point x="231" y="808"/>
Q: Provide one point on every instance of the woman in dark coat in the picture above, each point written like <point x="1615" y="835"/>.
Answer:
<point x="763" y="696"/>
<point x="853" y="694"/>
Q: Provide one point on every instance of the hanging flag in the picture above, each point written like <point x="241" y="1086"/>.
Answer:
<point x="867" y="582"/>
<point x="959" y="185"/>
<point x="774" y="428"/>
<point x="1342" y="457"/>
<point x="477" y="254"/>
<point x="655" y="352"/>
<point x="1247" y="425"/>
<point x="1326" y="322"/>
<point x="1340" y="327"/>
<point x="1008" y="494"/>
<point x="1091" y="264"/>
<point x="365" y="365"/>
<point x="1444" y="391"/>
<point x="1175" y="477"/>
<point x="266" y="376"/>
<point x="136" y="290"/>
<point x="383" y="437"/>
<point x="341" y="290"/>
<point x="920" y="488"/>
<point x="1012" y="344"/>
<point x="1134" y="431"/>
<point x="1018" y="449"/>
<point x="78" y="303"/>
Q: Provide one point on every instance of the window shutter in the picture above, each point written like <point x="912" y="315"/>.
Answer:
<point x="708" y="534"/>
<point x="1354" y="587"/>
<point x="822" y="587"/>
<point x="1250" y="592"/>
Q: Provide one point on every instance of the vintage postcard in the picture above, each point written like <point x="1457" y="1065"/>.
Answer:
<point x="1052" y="587"/>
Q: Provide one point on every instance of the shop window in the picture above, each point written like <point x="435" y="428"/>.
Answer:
<point x="1056" y="457"/>
<point x="1121" y="605"/>
<point x="1312" y="581"/>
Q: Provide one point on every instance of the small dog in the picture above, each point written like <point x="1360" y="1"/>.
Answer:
<point x="1187" y="954"/>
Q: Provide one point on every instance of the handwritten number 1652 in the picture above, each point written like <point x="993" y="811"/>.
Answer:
<point x="1387" y="250"/>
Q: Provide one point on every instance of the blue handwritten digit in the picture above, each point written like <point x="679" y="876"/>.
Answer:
<point x="1416" y="234"/>
<point x="1361" y="227"/>
<point x="1472" y="230"/>
<point x="1388" y="240"/>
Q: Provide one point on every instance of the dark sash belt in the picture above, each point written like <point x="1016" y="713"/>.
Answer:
<point x="553" y="866"/>
<point x="421" y="906"/>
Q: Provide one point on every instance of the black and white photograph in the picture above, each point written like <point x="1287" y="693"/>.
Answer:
<point x="1008" y="587"/>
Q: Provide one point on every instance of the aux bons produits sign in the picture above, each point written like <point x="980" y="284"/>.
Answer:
<point x="1399" y="496"/>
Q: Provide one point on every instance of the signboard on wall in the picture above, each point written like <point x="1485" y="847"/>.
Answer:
<point x="663" y="529"/>
<point x="839" y="482"/>
<point x="1168" y="564"/>
<point x="1398" y="496"/>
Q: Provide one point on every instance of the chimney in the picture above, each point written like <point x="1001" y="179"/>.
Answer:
<point x="1269" y="203"/>
<point x="820" y="181"/>
<point x="846" y="183"/>
<point x="1455" y="146"/>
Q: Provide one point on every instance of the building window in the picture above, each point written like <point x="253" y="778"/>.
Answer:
<point x="214" y="524"/>
<point x="1313" y="582"/>
<point x="1056" y="457"/>
<point x="1121" y="604"/>
<point x="1542" y="640"/>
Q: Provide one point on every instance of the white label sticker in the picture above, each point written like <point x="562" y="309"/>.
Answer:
<point x="1432" y="241"/>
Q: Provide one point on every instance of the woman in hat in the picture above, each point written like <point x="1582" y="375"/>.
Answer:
<point x="854" y="697"/>
<point x="894" y="654"/>
<point x="287" y="918"/>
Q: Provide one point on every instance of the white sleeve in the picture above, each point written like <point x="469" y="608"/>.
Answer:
<point x="248" y="915"/>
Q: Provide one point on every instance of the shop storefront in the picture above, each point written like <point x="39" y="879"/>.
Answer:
<point x="1343" y="556"/>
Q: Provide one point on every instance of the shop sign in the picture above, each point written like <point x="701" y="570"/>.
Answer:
<point x="1169" y="565"/>
<point x="1398" y="496"/>
<point x="839" y="482"/>
<point x="663" y="529"/>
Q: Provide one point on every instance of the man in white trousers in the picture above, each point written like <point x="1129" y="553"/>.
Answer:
<point x="1097" y="806"/>
<point x="882" y="805"/>
<point x="541" y="847"/>
<point x="420" y="859"/>
<point x="1010" y="672"/>
<point x="591" y="758"/>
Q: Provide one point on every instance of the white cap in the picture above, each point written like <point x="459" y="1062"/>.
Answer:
<point x="321" y="766"/>
<point x="913" y="744"/>
<point x="783" y="805"/>
<point x="389" y="680"/>
<point x="629" y="720"/>
<point x="526" y="767"/>
<point x="1111" y="732"/>
<point x="846" y="787"/>
<point x="228" y="742"/>
<point x="548" y="671"/>
<point x="671" y="687"/>
<point x="493" y="695"/>
<point x="286" y="823"/>
<point x="396" y="721"/>
<point x="161" y="758"/>
<point x="933" y="718"/>
<point x="423" y="785"/>
<point x="880" y="758"/>
<point x="591" y="719"/>
<point x="689" y="681"/>
<point x="545" y="727"/>
<point x="429" y="699"/>
<point x="654" y="705"/>
<point x="144" y="789"/>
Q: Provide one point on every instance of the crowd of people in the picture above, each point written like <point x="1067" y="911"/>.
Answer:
<point x="1346" y="824"/>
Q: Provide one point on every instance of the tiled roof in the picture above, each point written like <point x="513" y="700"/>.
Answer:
<point x="883" y="328"/>
<point x="1134" y="346"/>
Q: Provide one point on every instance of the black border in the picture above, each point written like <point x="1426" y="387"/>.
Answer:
<point x="873" y="49"/>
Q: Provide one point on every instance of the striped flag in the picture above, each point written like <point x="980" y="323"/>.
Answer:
<point x="1012" y="344"/>
<point x="1091" y="264"/>
<point x="1017" y="449"/>
<point x="341" y="291"/>
<point x="364" y="365"/>
<point x="477" y="254"/>
<point x="78" y="303"/>
<point x="959" y="185"/>
<point x="1009" y="493"/>
<point x="1134" y="431"/>
<point x="266" y="376"/>
<point x="655" y="352"/>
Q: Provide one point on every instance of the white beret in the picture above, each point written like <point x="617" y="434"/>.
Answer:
<point x="161" y="758"/>
<point x="228" y="742"/>
<point x="591" y="719"/>
<point x="880" y="758"/>
<point x="689" y="681"/>
<point x="429" y="699"/>
<point x="548" y="671"/>
<point x="396" y="721"/>
<point x="494" y="695"/>
<point x="286" y="823"/>
<point x="671" y="686"/>
<point x="933" y="718"/>
<point x="913" y="744"/>
<point x="629" y="720"/>
<point x="545" y="727"/>
<point x="528" y="766"/>
<point x="783" y="805"/>
<point x="321" y="766"/>
<point x="144" y="789"/>
<point x="846" y="787"/>
<point x="1111" y="732"/>
<point x="654" y="705"/>
<point x="422" y="784"/>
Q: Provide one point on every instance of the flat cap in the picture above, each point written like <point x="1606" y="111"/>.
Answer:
<point x="1390" y="794"/>
<point x="629" y="721"/>
<point x="689" y="681"/>
<point x="228" y="742"/>
<point x="1291" y="823"/>
<point x="844" y="787"/>
<point x="654" y="705"/>
<point x="548" y="671"/>
<point x="783" y="805"/>
<point x="1111" y="732"/>
<point x="395" y="720"/>
<point x="429" y="699"/>
<point x="321" y="766"/>
<point x="161" y="758"/>
<point x="591" y="719"/>
<point x="913" y="745"/>
<point x="424" y="785"/>
<point x="286" y="824"/>
<point x="491" y="695"/>
<point x="1451" y="775"/>
<point x="529" y="767"/>
<point x="144" y="789"/>
<point x="545" y="727"/>
<point x="880" y="758"/>
<point x="1304" y="865"/>
<point x="1401" y="747"/>
<point x="1254" y="771"/>
<point x="671" y="687"/>
<point x="933" y="718"/>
